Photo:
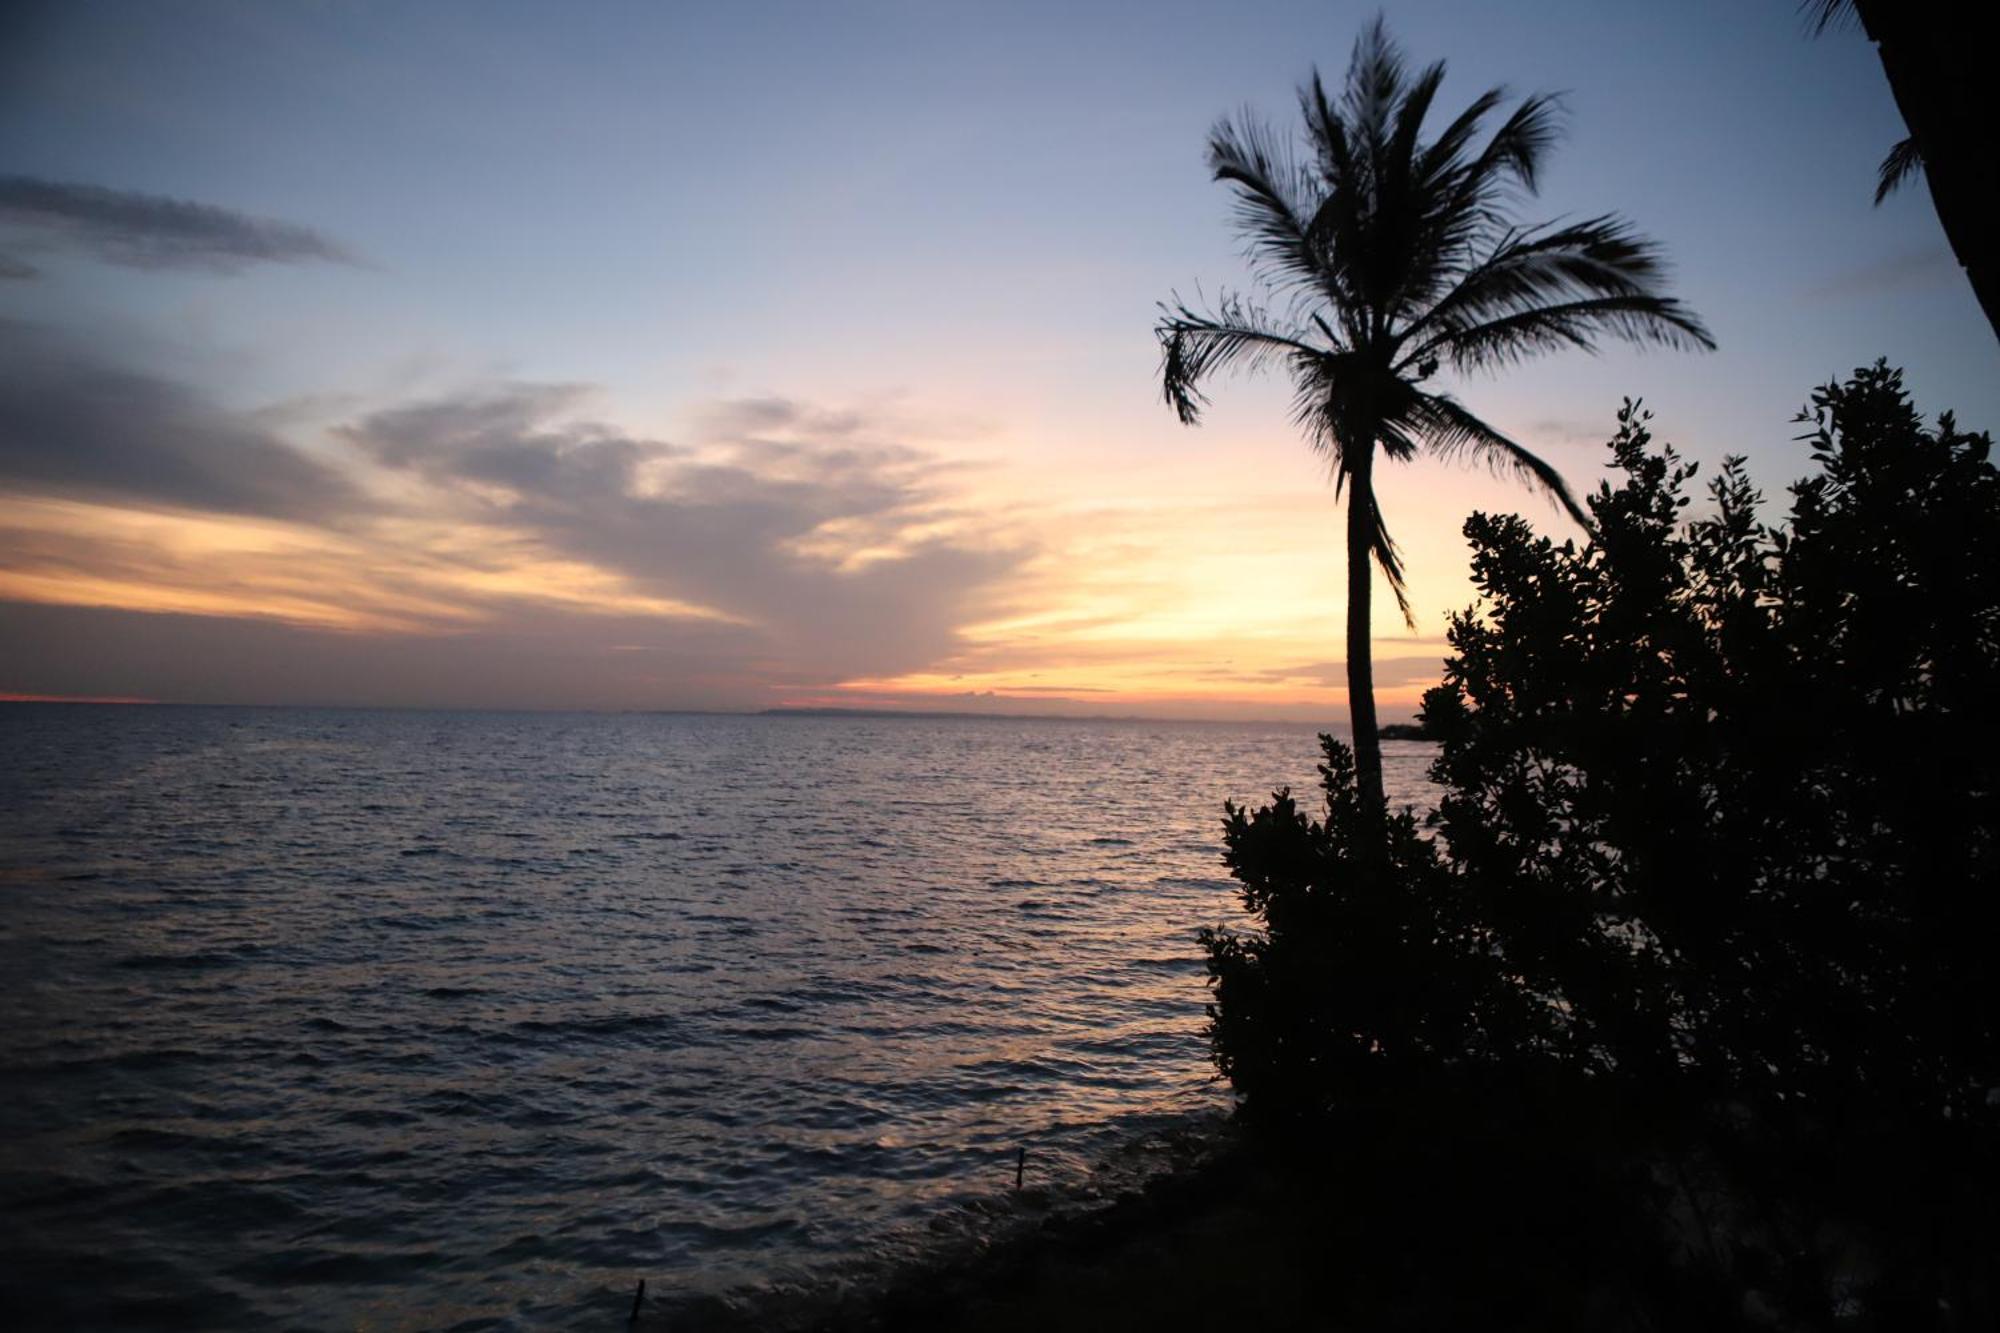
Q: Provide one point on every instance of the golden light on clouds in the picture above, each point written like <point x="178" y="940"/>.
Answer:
<point x="397" y="576"/>
<point x="756" y="571"/>
<point x="1225" y="607"/>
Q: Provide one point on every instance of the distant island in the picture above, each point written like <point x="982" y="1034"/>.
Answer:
<point x="949" y="713"/>
<point x="1392" y="731"/>
<point x="935" y="714"/>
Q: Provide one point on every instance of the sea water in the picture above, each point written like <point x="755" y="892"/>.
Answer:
<point x="338" y="1018"/>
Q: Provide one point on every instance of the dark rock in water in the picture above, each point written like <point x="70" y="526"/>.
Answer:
<point x="1403" y="731"/>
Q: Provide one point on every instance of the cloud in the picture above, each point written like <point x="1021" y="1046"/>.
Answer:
<point x="73" y="425"/>
<point x="149" y="231"/>
<point x="837" y="543"/>
<point x="1547" y="431"/>
<point x="1918" y="269"/>
<point x="746" y="418"/>
<point x="791" y="546"/>
<point x="505" y="438"/>
<point x="545" y="660"/>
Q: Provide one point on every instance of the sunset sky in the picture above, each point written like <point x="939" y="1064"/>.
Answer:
<point x="749" y="355"/>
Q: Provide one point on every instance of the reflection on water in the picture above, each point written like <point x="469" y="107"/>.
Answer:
<point x="333" y="1017"/>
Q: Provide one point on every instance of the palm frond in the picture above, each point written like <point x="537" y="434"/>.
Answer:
<point x="1904" y="161"/>
<point x="1239" y="336"/>
<point x="1454" y="432"/>
<point x="1551" y="268"/>
<point x="1390" y="558"/>
<point x="1462" y="201"/>
<point x="1823" y="14"/>
<point x="1657" y="320"/>
<point x="1519" y="145"/>
<point x="1326" y="133"/>
<point x="1317" y="400"/>
<point x="1411" y="107"/>
<point x="1397" y="440"/>
<point x="1449" y="147"/>
<point x="1374" y="83"/>
<point x="1259" y="168"/>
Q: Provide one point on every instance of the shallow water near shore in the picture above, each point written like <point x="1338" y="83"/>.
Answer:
<point x="328" y="1018"/>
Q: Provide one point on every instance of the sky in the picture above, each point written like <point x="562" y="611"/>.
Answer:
<point x="763" y="355"/>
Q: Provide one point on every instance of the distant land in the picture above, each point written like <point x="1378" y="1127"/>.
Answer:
<point x="1393" y="731"/>
<point x="969" y="715"/>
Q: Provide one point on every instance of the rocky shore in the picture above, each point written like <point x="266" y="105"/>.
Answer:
<point x="1444" y="1216"/>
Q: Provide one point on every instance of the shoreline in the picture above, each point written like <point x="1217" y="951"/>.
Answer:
<point x="974" y="1262"/>
<point x="1464" y="1205"/>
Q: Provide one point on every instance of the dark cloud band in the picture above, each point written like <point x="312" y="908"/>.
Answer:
<point x="149" y="231"/>
<point x="73" y="425"/>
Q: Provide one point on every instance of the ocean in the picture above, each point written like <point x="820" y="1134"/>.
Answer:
<point x="329" y="1018"/>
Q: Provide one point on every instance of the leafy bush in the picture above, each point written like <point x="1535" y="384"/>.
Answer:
<point x="1719" y="806"/>
<point x="1368" y="974"/>
<point x="1725" y="793"/>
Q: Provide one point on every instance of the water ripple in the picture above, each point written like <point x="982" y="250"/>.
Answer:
<point x="323" y="1019"/>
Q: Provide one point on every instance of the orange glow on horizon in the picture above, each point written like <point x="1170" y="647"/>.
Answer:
<point x="1210" y="586"/>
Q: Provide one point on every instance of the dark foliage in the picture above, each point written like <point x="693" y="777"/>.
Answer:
<point x="1367" y="976"/>
<point x="1726" y="794"/>
<point x="1717" y="840"/>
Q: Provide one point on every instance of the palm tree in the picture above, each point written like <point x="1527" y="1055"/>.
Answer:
<point x="1938" y="66"/>
<point x="1382" y="258"/>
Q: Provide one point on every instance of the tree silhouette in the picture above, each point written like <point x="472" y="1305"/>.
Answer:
<point x="1712" y="874"/>
<point x="1383" y="258"/>
<point x="1937" y="64"/>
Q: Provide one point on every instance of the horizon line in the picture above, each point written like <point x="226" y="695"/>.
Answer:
<point x="113" y="701"/>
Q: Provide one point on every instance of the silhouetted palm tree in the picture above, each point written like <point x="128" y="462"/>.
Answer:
<point x="1384" y="258"/>
<point x="1938" y="55"/>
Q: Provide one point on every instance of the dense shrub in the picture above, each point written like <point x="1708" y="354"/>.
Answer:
<point x="1725" y="793"/>
<point x="1368" y="974"/>
<point x="1719" y="804"/>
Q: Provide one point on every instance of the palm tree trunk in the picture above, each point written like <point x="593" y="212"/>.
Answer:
<point x="1360" y="661"/>
<point x="1939" y="73"/>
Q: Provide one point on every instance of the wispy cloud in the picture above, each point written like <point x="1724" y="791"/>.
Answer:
<point x="1566" y="431"/>
<point x="75" y="425"/>
<point x="838" y="544"/>
<point x="147" y="231"/>
<point x="1923" y="267"/>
